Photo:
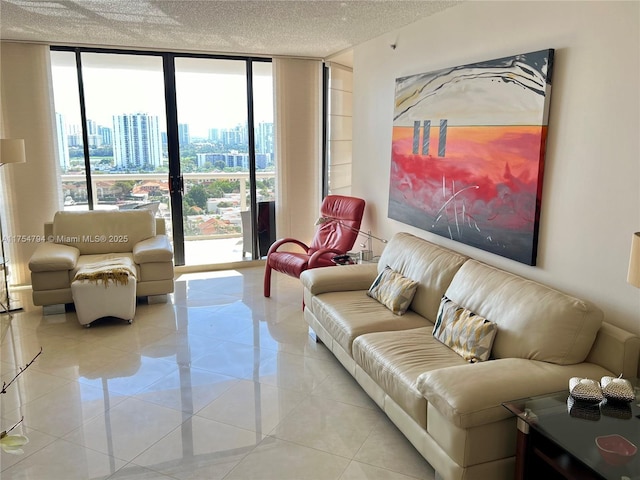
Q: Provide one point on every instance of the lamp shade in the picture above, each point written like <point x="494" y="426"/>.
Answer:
<point x="12" y="151"/>
<point x="634" y="261"/>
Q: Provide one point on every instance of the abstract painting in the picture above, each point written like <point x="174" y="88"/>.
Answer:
<point x="468" y="152"/>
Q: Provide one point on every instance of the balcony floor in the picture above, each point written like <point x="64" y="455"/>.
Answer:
<point x="214" y="251"/>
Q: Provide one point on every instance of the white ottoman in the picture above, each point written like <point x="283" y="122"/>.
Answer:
<point x="105" y="289"/>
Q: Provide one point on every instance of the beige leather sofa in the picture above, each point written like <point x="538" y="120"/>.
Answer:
<point x="75" y="239"/>
<point x="450" y="409"/>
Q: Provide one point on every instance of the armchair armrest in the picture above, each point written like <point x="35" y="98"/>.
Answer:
<point x="317" y="256"/>
<point x="152" y="250"/>
<point x="52" y="257"/>
<point x="339" y="279"/>
<point x="472" y="395"/>
<point x="278" y="243"/>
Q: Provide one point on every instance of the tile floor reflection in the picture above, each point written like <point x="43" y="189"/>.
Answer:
<point x="218" y="383"/>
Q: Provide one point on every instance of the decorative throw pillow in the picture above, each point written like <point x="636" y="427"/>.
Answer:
<point x="469" y="335"/>
<point x="393" y="290"/>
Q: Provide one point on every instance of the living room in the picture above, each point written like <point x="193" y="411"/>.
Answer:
<point x="590" y="203"/>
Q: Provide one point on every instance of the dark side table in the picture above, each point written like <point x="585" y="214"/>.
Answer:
<point x="557" y="437"/>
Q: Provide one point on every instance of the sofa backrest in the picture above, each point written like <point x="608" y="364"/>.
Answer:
<point x="430" y="265"/>
<point x="534" y="321"/>
<point x="103" y="231"/>
<point x="161" y="227"/>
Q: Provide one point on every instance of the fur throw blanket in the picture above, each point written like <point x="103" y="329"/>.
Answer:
<point x="117" y="270"/>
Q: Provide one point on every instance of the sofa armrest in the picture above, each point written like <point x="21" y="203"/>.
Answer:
<point x="616" y="350"/>
<point x="153" y="250"/>
<point x="53" y="257"/>
<point x="472" y="395"/>
<point x="339" y="279"/>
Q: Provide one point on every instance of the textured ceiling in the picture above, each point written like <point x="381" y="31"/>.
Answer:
<point x="306" y="28"/>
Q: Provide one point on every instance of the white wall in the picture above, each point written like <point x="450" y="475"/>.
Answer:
<point x="591" y="192"/>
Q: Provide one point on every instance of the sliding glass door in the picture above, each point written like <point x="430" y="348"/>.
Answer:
<point x="188" y="137"/>
<point x="218" y="155"/>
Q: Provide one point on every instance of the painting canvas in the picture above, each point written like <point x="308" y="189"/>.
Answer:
<point x="468" y="152"/>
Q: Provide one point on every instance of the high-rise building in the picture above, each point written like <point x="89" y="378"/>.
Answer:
<point x="235" y="137"/>
<point x="215" y="135"/>
<point x="74" y="140"/>
<point x="263" y="160"/>
<point x="74" y="134"/>
<point x="105" y="134"/>
<point x="264" y="137"/>
<point x="183" y="134"/>
<point x="232" y="159"/>
<point x="136" y="141"/>
<point x="62" y="141"/>
<point x="92" y="127"/>
<point x="94" y="141"/>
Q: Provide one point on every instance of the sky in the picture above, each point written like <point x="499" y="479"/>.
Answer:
<point x="205" y="99"/>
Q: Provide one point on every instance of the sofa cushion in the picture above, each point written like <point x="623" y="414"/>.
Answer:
<point x="345" y="315"/>
<point x="395" y="360"/>
<point x="393" y="290"/>
<point x="469" y="335"/>
<point x="103" y="231"/>
<point x="534" y="321"/>
<point x="431" y="266"/>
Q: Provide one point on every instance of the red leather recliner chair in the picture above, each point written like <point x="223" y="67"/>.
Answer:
<point x="335" y="236"/>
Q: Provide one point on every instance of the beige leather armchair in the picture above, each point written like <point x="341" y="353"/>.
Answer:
<point x="76" y="239"/>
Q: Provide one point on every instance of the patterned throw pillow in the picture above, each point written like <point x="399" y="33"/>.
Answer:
<point x="393" y="290"/>
<point x="469" y="335"/>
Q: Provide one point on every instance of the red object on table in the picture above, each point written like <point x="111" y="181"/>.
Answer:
<point x="615" y="449"/>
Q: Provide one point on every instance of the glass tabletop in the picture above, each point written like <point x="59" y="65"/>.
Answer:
<point x="575" y="426"/>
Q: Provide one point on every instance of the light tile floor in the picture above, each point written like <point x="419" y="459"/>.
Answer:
<point x="218" y="383"/>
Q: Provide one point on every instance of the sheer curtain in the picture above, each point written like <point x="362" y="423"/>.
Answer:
<point x="30" y="191"/>
<point x="298" y="139"/>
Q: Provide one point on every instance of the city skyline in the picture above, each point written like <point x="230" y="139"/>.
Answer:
<point x="76" y="130"/>
<point x="137" y="142"/>
<point x="206" y="98"/>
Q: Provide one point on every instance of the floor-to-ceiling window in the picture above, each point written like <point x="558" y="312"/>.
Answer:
<point x="188" y="137"/>
<point x="212" y="97"/>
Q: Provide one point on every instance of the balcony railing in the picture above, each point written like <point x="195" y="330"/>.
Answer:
<point x="198" y="247"/>
<point x="164" y="177"/>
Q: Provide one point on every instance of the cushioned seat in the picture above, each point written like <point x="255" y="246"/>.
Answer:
<point x="395" y="360"/>
<point x="346" y="315"/>
<point x="292" y="263"/>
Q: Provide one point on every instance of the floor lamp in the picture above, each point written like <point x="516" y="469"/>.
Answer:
<point x="11" y="151"/>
